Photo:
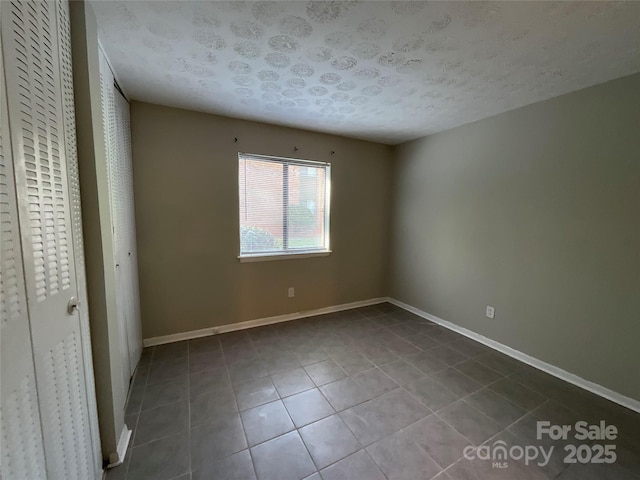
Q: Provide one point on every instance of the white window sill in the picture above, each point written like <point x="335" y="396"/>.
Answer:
<point x="268" y="257"/>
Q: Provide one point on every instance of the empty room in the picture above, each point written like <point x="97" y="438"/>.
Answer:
<point x="321" y="240"/>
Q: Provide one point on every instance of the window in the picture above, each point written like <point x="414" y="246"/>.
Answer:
<point x="284" y="206"/>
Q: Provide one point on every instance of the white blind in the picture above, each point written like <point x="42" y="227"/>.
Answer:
<point x="284" y="205"/>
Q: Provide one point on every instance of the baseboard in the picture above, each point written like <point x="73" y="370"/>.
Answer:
<point x="231" y="327"/>
<point x="121" y="449"/>
<point x="569" y="377"/>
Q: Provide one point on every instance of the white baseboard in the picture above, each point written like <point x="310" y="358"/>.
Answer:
<point x="528" y="359"/>
<point x="205" y="332"/>
<point x="121" y="449"/>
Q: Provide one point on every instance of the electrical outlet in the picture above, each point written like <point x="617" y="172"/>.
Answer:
<point x="292" y="292"/>
<point x="491" y="312"/>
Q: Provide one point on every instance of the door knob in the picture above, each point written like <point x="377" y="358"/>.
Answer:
<point x="72" y="306"/>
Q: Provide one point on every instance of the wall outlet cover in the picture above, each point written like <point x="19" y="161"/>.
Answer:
<point x="291" y="292"/>
<point x="491" y="312"/>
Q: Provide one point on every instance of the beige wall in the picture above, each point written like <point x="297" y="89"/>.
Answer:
<point x="186" y="194"/>
<point x="536" y="212"/>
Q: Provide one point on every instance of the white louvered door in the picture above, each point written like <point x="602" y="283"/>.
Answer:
<point x="125" y="228"/>
<point x="39" y="92"/>
<point x="115" y="114"/>
<point x="21" y="443"/>
<point x="115" y="199"/>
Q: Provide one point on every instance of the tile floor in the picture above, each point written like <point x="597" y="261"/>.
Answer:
<point x="365" y="394"/>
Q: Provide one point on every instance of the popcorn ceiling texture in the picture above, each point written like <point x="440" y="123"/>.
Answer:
<point x="382" y="71"/>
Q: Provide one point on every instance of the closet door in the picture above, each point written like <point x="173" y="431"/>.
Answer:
<point x="116" y="201"/>
<point x="125" y="229"/>
<point x="73" y="177"/>
<point x="115" y="112"/>
<point x="37" y="132"/>
<point x="21" y="444"/>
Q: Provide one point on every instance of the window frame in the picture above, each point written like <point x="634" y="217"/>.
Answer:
<point x="286" y="252"/>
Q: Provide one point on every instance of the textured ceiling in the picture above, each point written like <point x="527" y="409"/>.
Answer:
<point x="383" y="71"/>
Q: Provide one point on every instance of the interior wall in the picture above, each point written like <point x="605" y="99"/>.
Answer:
<point x="535" y="212"/>
<point x="185" y="169"/>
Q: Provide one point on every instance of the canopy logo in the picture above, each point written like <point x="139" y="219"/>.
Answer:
<point x="499" y="453"/>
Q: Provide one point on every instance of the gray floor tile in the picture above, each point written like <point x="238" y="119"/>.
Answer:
<point x="439" y="440"/>
<point x="457" y="382"/>
<point x="255" y="392"/>
<point x="134" y="402"/>
<point x="597" y="472"/>
<point x="400" y="458"/>
<point x="168" y="370"/>
<point x="324" y="372"/>
<point x="240" y="354"/>
<point x="266" y="422"/>
<point x="162" y="422"/>
<point x="442" y="476"/>
<point x="376" y="353"/>
<point x="283" y="458"/>
<point x="140" y="376"/>
<point x="557" y="414"/>
<point x="479" y="372"/>
<point x="499" y="362"/>
<point x="212" y="403"/>
<point x="292" y="382"/>
<point x="426" y="362"/>
<point x="238" y="339"/>
<point x="204" y="344"/>
<point x="358" y="466"/>
<point x="483" y="392"/>
<point x="432" y="394"/>
<point x="448" y="355"/>
<point x="377" y="418"/>
<point x="359" y="388"/>
<point x="208" y="380"/>
<point x="400" y="346"/>
<point x="352" y="362"/>
<point x="329" y="440"/>
<point x="238" y="466"/>
<point x="482" y="470"/>
<point x="163" y="459"/>
<point x="165" y="393"/>
<point x="423" y="341"/>
<point x="280" y="362"/>
<point x="220" y="437"/>
<point x="131" y="421"/>
<point x="245" y="370"/>
<point x="307" y="407"/>
<point x="496" y="407"/>
<point x="312" y="356"/>
<point x="205" y="360"/>
<point x="443" y="335"/>
<point x="469" y="347"/>
<point x="469" y="421"/>
<point x="518" y="394"/>
<point x="169" y="352"/>
<point x="402" y="372"/>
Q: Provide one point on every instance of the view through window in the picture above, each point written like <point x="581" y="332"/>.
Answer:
<point x="284" y="205"/>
